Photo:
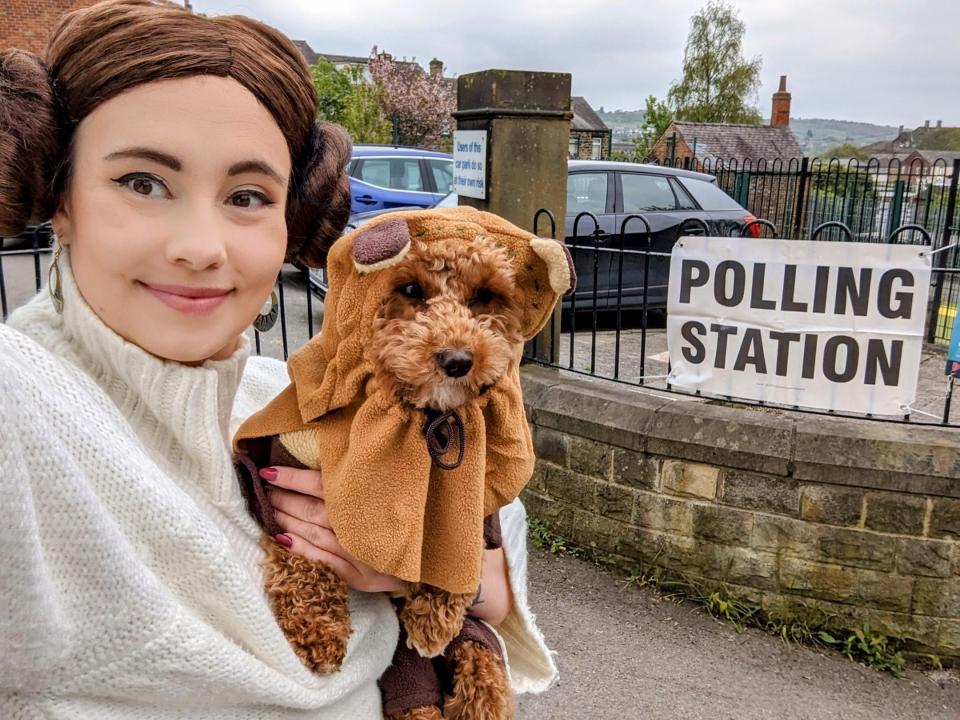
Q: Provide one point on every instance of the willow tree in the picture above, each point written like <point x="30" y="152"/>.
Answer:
<point x="718" y="85"/>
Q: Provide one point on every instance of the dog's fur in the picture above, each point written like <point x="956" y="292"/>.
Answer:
<point x="447" y="295"/>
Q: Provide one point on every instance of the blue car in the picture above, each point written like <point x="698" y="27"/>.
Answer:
<point x="383" y="177"/>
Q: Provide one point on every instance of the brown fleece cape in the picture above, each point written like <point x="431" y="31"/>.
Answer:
<point x="388" y="503"/>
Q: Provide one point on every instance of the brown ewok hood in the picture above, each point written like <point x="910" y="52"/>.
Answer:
<point x="388" y="503"/>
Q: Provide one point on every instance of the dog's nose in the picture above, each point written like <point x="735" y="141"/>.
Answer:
<point x="455" y="363"/>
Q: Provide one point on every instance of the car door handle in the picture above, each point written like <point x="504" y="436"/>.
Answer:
<point x="365" y="199"/>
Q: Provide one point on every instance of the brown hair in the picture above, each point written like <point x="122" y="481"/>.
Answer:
<point x="100" y="51"/>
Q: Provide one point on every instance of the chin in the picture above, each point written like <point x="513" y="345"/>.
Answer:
<point x="191" y="350"/>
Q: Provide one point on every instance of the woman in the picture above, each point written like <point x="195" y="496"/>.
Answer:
<point x="179" y="160"/>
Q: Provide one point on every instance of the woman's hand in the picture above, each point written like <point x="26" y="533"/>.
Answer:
<point x="297" y="498"/>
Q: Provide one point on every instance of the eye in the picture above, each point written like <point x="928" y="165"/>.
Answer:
<point x="144" y="184"/>
<point x="483" y="296"/>
<point x="411" y="291"/>
<point x="249" y="199"/>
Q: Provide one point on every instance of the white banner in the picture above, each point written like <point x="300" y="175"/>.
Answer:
<point x="823" y="325"/>
<point x="470" y="163"/>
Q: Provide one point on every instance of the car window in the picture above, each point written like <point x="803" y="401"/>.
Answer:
<point x="442" y="171"/>
<point x="587" y="192"/>
<point x="684" y="201"/>
<point x="643" y="193"/>
<point x="708" y="195"/>
<point x="392" y="173"/>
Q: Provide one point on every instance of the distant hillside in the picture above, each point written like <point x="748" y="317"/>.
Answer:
<point x="815" y="135"/>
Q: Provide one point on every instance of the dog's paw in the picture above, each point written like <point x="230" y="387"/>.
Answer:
<point x="310" y="604"/>
<point x="432" y="618"/>
<point x="480" y="687"/>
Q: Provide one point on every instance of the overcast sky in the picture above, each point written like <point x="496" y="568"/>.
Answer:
<point x="882" y="61"/>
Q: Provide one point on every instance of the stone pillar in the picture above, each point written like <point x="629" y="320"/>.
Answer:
<point x="527" y="118"/>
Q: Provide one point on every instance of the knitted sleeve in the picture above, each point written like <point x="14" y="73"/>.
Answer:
<point x="532" y="669"/>
<point x="32" y="621"/>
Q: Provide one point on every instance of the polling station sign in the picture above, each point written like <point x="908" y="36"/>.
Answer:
<point x="821" y="325"/>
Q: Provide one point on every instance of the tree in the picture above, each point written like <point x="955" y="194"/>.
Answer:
<point x="333" y="90"/>
<point x="347" y="99"/>
<point x="719" y="84"/>
<point x="657" y="120"/>
<point x="363" y="115"/>
<point x="421" y="104"/>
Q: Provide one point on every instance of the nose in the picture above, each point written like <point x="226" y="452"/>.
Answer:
<point x="200" y="243"/>
<point x="455" y="363"/>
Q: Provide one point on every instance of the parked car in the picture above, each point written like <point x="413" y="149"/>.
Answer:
<point x="674" y="202"/>
<point x="384" y="177"/>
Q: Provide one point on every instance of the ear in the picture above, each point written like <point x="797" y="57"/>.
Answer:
<point x="62" y="223"/>
<point x="563" y="277"/>
<point x="381" y="246"/>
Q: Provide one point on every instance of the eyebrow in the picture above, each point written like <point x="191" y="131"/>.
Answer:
<point x="162" y="158"/>
<point x="255" y="166"/>
<point x="145" y="153"/>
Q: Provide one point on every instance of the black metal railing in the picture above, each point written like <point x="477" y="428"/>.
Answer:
<point x="610" y="327"/>
<point x="613" y="340"/>
<point x="872" y="197"/>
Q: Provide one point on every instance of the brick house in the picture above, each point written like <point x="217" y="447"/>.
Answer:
<point x="590" y="138"/>
<point x="27" y="24"/>
<point x="698" y="144"/>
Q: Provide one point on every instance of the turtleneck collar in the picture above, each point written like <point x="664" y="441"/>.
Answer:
<point x="180" y="412"/>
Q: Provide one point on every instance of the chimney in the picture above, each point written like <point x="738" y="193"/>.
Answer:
<point x="926" y="123"/>
<point x="900" y="131"/>
<point x="780" y="114"/>
<point x="436" y="68"/>
<point x="939" y="124"/>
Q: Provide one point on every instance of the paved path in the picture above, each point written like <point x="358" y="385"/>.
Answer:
<point x="624" y="652"/>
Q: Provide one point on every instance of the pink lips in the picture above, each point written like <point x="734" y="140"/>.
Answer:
<point x="189" y="300"/>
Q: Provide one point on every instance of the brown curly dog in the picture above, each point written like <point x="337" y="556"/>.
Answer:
<point x="453" y="308"/>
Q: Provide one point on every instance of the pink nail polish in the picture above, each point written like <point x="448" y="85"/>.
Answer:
<point x="269" y="474"/>
<point x="284" y="540"/>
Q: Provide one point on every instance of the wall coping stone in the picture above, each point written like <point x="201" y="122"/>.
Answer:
<point x="898" y="457"/>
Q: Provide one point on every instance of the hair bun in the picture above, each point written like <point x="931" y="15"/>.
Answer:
<point x="29" y="140"/>
<point x="320" y="204"/>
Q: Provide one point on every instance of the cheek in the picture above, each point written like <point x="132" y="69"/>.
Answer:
<point x="258" y="254"/>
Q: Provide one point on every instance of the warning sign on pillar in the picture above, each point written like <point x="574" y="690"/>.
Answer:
<point x="470" y="163"/>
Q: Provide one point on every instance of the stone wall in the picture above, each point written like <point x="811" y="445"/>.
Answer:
<point x="842" y="520"/>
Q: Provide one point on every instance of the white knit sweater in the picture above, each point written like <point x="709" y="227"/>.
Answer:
<point x="129" y="576"/>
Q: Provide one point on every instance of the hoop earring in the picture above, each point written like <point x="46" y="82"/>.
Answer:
<point x="266" y="320"/>
<point x="55" y="282"/>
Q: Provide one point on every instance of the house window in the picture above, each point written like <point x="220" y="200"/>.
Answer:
<point x="574" y="147"/>
<point x="596" y="148"/>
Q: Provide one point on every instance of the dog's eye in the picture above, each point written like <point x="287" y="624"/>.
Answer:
<point x="483" y="296"/>
<point x="412" y="291"/>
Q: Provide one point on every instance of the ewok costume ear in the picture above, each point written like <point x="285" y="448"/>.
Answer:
<point x="382" y="246"/>
<point x="560" y="270"/>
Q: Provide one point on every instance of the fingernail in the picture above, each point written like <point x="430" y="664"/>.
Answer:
<point x="284" y="540"/>
<point x="269" y="474"/>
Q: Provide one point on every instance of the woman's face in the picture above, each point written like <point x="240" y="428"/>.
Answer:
<point x="174" y="214"/>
